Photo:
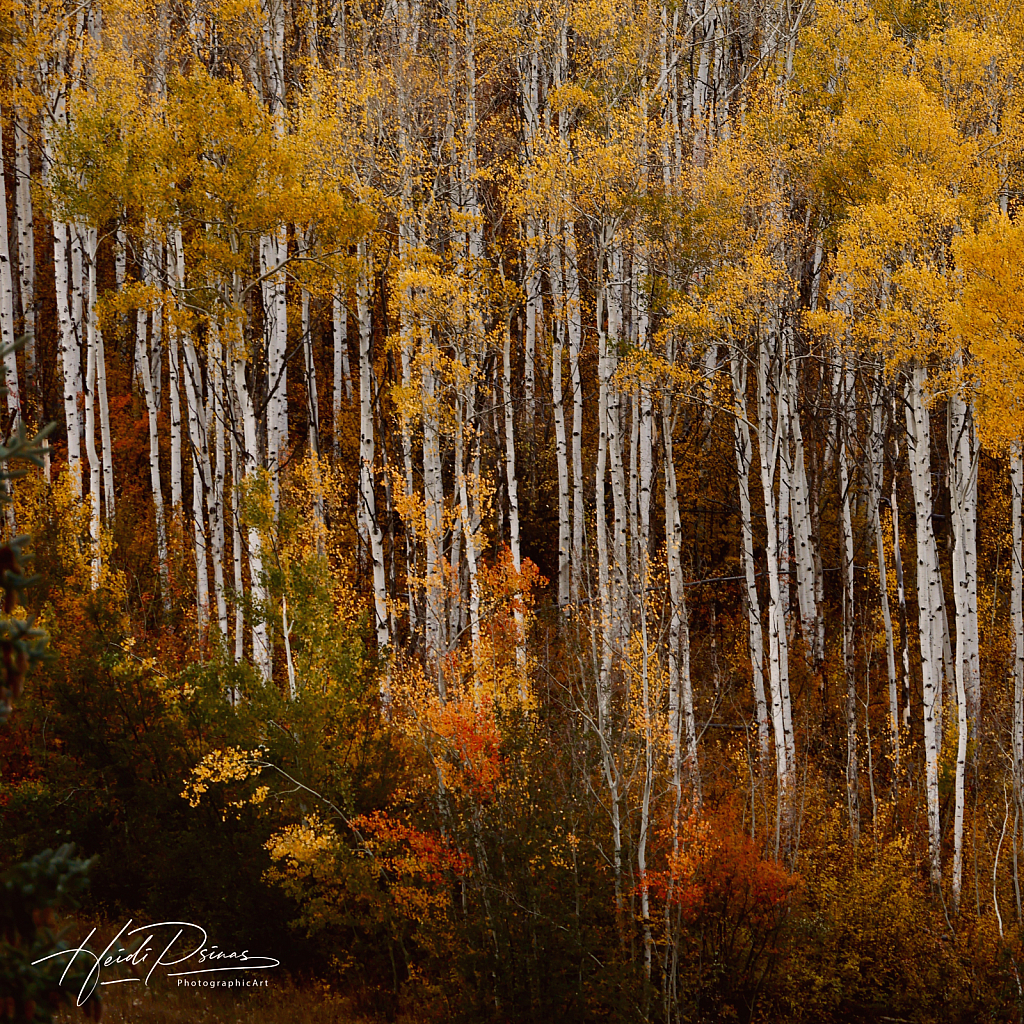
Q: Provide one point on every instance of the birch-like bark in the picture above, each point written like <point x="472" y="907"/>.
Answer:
<point x="142" y="362"/>
<point x="470" y="523"/>
<point x="342" y="372"/>
<point x="513" y="483"/>
<point x="10" y="359"/>
<point x="574" y="326"/>
<point x="198" y="436"/>
<point x="95" y="466"/>
<point x="897" y="561"/>
<point x="811" y="621"/>
<point x="876" y="470"/>
<point x="845" y="427"/>
<point x="561" y="452"/>
<point x="771" y="356"/>
<point x="70" y="357"/>
<point x="620" y="564"/>
<point x="963" y="505"/>
<point x="744" y="459"/>
<point x="682" y="724"/>
<point x="174" y="387"/>
<point x="1017" y="617"/>
<point x="215" y="496"/>
<point x="312" y="400"/>
<point x="26" y="253"/>
<point x="367" y="501"/>
<point x="262" y="655"/>
<point x="919" y="448"/>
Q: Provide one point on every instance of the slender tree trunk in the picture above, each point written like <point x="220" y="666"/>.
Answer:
<point x="95" y="465"/>
<point x="565" y="565"/>
<point x="876" y="462"/>
<point x="919" y="444"/>
<point x="845" y="427"/>
<point x="26" y="254"/>
<point x="744" y="458"/>
<point x="367" y="501"/>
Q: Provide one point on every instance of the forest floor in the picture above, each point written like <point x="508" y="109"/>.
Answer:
<point x="283" y="1001"/>
<point x="278" y="998"/>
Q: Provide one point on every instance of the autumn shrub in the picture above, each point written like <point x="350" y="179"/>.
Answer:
<point x="726" y="912"/>
<point x="870" y="939"/>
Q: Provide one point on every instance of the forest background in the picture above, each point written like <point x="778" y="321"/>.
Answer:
<point x="534" y="521"/>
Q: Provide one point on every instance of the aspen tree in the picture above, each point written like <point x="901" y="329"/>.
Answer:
<point x="744" y="460"/>
<point x="928" y="581"/>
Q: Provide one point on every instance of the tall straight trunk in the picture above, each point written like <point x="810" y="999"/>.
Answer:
<point x="875" y="468"/>
<point x="561" y="452"/>
<point x="215" y="496"/>
<point x="10" y="359"/>
<point x="803" y="531"/>
<point x="174" y="387"/>
<point x="919" y="446"/>
<point x="646" y="405"/>
<point x="433" y="494"/>
<point x="367" y="501"/>
<point x="682" y="725"/>
<point x="620" y="563"/>
<point x="897" y="562"/>
<point x="607" y="630"/>
<point x="512" y="482"/>
<point x="95" y="465"/>
<point x="143" y="368"/>
<point x="963" y="505"/>
<point x="1017" y="617"/>
<point x="273" y="253"/>
<point x="342" y="373"/>
<point x="70" y="359"/>
<point x="406" y="240"/>
<point x="470" y="522"/>
<point x="846" y="426"/>
<point x="771" y="355"/>
<point x="312" y="401"/>
<point x="26" y="253"/>
<point x="744" y="459"/>
<point x="198" y="425"/>
<point x="262" y="654"/>
<point x="236" y="538"/>
<point x="574" y="326"/>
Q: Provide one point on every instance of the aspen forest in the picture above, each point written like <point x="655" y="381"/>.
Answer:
<point x="527" y="501"/>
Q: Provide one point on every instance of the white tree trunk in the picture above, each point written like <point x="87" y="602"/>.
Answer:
<point x="142" y="362"/>
<point x="1017" y="616"/>
<point x="95" y="466"/>
<point x="682" y="725"/>
<point x="262" y="655"/>
<point x="561" y="452"/>
<point x="70" y="357"/>
<point x="803" y="532"/>
<point x="919" y="443"/>
<point x="216" y="494"/>
<point x="26" y="251"/>
<point x="513" y="484"/>
<point x="845" y="426"/>
<point x="963" y="505"/>
<point x="10" y="359"/>
<point x="198" y="437"/>
<point x="174" y="387"/>
<point x="574" y="325"/>
<point x="744" y="459"/>
<point x="367" y="501"/>
<point x="876" y="472"/>
<point x="769" y="363"/>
